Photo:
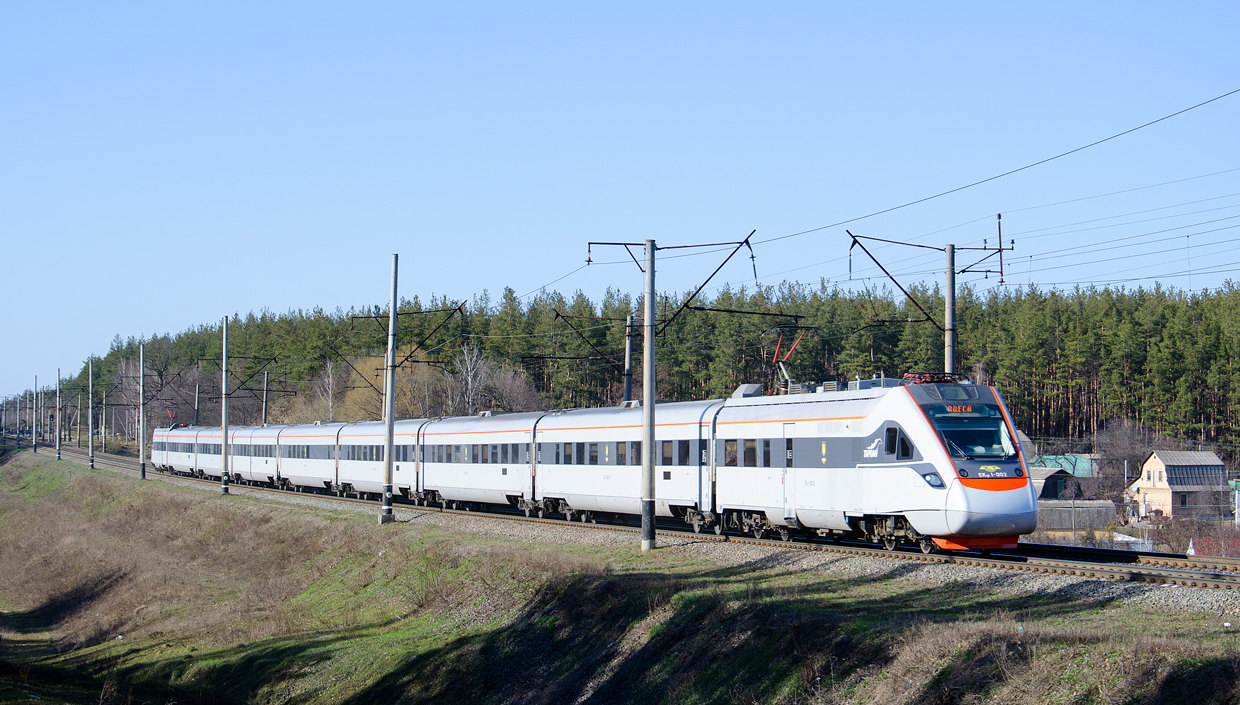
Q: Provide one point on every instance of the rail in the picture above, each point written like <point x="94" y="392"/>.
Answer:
<point x="1074" y="561"/>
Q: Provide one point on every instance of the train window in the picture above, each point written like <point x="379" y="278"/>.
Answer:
<point x="906" y="449"/>
<point x="580" y="454"/>
<point x="515" y="454"/>
<point x="751" y="454"/>
<point x="622" y="449"/>
<point x="503" y="452"/>
<point x="729" y="453"/>
<point x="473" y="453"/>
<point x="766" y="453"/>
<point x="608" y="453"/>
<point x="442" y="454"/>
<point x="889" y="445"/>
<point x="667" y="453"/>
<point x="635" y="458"/>
<point x="682" y="452"/>
<point x="594" y="454"/>
<point x="788" y="452"/>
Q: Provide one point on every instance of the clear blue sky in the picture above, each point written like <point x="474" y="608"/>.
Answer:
<point x="165" y="164"/>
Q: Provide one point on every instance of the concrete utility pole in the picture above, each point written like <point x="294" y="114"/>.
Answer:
<point x="196" y="404"/>
<point x="648" y="402"/>
<point x="389" y="404"/>
<point x="949" y="311"/>
<point x="628" y="358"/>
<point x="59" y="423"/>
<point x="90" y="414"/>
<point x="224" y="414"/>
<point x="142" y="410"/>
<point x="264" y="398"/>
<point x="34" y="430"/>
<point x="78" y="425"/>
<point x="103" y="421"/>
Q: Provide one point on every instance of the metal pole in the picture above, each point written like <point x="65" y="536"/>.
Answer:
<point x="264" y="398"/>
<point x="196" y="404"/>
<point x="59" y="423"/>
<point x="648" y="401"/>
<point x="34" y="416"/>
<point x="389" y="404"/>
<point x="103" y="422"/>
<point x="224" y="414"/>
<point x="90" y="414"/>
<point x="78" y="424"/>
<point x="628" y="358"/>
<point x="949" y="312"/>
<point x="142" y="410"/>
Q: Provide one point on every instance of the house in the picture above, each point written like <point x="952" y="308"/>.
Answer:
<point x="1049" y="483"/>
<point x="1182" y="483"/>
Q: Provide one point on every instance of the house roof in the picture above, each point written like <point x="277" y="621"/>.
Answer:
<point x="1077" y="465"/>
<point x="1186" y="457"/>
<point x="1038" y="473"/>
<point x="1192" y="470"/>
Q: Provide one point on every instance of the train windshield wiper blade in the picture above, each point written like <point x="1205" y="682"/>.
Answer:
<point x="958" y="448"/>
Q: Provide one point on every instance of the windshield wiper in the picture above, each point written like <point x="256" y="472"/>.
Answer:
<point x="958" y="448"/>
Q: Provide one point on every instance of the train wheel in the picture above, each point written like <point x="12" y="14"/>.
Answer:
<point x="719" y="529"/>
<point x="527" y="511"/>
<point x="542" y="513"/>
<point x="785" y="535"/>
<point x="928" y="546"/>
<point x="758" y="532"/>
<point x="889" y="543"/>
<point x="697" y="527"/>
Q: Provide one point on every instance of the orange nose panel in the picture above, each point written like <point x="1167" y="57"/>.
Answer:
<point x="1000" y="484"/>
<point x="975" y="543"/>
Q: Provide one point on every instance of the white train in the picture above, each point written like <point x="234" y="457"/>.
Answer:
<point x="926" y="461"/>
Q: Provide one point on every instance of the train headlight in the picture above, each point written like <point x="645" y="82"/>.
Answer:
<point x="1019" y="472"/>
<point x="933" y="479"/>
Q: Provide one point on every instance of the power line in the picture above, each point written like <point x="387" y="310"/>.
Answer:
<point x="1006" y="173"/>
<point x="1118" y="225"/>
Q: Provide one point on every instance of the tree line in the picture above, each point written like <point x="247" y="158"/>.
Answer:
<point x="1067" y="362"/>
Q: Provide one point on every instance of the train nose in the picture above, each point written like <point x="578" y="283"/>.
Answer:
<point x="979" y="512"/>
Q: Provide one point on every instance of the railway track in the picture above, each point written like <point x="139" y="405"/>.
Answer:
<point x="1203" y="572"/>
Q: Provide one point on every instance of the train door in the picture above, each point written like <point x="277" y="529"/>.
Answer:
<point x="789" y="476"/>
<point x="531" y="452"/>
<point x="536" y="459"/>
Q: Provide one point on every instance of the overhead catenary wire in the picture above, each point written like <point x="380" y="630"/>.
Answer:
<point x="1006" y="173"/>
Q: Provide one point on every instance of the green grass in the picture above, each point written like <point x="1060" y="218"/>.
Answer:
<point x="255" y="601"/>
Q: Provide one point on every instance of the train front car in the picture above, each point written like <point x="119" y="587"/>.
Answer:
<point x="989" y="501"/>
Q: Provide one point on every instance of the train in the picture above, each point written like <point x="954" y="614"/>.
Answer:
<point x="927" y="460"/>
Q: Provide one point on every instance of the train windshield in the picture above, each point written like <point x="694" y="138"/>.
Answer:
<point x="972" y="431"/>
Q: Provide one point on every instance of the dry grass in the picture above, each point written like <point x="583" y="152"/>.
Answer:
<point x="279" y="596"/>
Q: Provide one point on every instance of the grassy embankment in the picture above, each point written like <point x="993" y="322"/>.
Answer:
<point x="225" y="600"/>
